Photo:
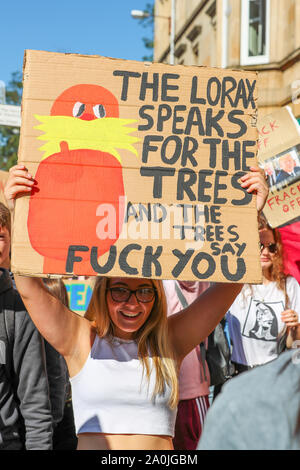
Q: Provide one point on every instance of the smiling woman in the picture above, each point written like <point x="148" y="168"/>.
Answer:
<point x="124" y="356"/>
<point x="129" y="309"/>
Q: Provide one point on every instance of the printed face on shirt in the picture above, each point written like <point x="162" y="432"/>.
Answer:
<point x="264" y="316"/>
<point x="261" y="320"/>
<point x="128" y="317"/>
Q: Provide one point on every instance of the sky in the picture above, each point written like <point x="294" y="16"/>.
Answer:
<point x="101" y="27"/>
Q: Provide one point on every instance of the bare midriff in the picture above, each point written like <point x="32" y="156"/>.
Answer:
<point x="100" y="441"/>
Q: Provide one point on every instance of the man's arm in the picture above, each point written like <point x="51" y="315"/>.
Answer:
<point x="32" y="383"/>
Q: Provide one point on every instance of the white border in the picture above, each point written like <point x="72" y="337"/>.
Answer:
<point x="245" y="58"/>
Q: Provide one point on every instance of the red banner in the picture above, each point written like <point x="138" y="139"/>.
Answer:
<point x="290" y="235"/>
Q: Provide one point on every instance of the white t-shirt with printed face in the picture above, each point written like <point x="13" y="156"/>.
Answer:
<point x="254" y="321"/>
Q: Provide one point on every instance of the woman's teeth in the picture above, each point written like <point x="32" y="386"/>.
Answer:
<point x="130" y="315"/>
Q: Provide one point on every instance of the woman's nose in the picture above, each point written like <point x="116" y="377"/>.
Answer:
<point x="132" y="299"/>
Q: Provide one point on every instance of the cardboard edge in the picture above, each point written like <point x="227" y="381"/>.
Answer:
<point x="29" y="53"/>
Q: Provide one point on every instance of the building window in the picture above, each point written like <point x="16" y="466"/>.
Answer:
<point x="212" y="13"/>
<point x="194" y="33"/>
<point x="255" y="32"/>
<point x="180" y="50"/>
<point x="196" y="52"/>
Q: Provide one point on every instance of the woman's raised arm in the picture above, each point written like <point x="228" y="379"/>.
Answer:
<point x="193" y="324"/>
<point x="61" y="327"/>
<point x="57" y="324"/>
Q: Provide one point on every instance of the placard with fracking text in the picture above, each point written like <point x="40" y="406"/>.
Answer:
<point x="279" y="156"/>
<point x="137" y="170"/>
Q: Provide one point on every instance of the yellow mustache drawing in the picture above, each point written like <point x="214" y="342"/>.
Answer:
<point x="106" y="135"/>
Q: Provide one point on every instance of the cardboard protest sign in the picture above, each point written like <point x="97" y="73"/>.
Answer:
<point x="137" y="170"/>
<point x="279" y="155"/>
<point x="3" y="179"/>
<point x="79" y="293"/>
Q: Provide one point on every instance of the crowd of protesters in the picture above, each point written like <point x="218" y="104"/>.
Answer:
<point x="132" y="372"/>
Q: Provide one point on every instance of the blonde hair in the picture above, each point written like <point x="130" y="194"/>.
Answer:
<point x="58" y="289"/>
<point x="152" y="337"/>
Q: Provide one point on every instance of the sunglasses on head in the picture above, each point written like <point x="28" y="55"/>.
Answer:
<point x="272" y="247"/>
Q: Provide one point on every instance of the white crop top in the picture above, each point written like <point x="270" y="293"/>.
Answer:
<point x="111" y="395"/>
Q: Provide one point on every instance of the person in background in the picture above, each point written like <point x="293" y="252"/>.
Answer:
<point x="25" y="410"/>
<point x="257" y="410"/>
<point x="260" y="409"/>
<point x="193" y="375"/>
<point x="264" y="318"/>
<point x="64" y="435"/>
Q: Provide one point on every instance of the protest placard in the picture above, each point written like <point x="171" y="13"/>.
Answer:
<point x="137" y="170"/>
<point x="279" y="155"/>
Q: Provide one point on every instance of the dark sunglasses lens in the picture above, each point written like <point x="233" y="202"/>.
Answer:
<point x="119" y="295"/>
<point x="272" y="247"/>
<point x="145" y="295"/>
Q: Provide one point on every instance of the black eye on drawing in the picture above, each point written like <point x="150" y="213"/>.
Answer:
<point x="99" y="111"/>
<point x="78" y="109"/>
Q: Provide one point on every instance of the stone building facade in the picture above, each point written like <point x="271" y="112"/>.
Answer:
<point x="262" y="35"/>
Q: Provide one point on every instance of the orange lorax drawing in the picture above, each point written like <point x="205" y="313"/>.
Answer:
<point x="81" y="171"/>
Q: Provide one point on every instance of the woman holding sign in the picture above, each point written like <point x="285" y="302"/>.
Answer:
<point x="124" y="365"/>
